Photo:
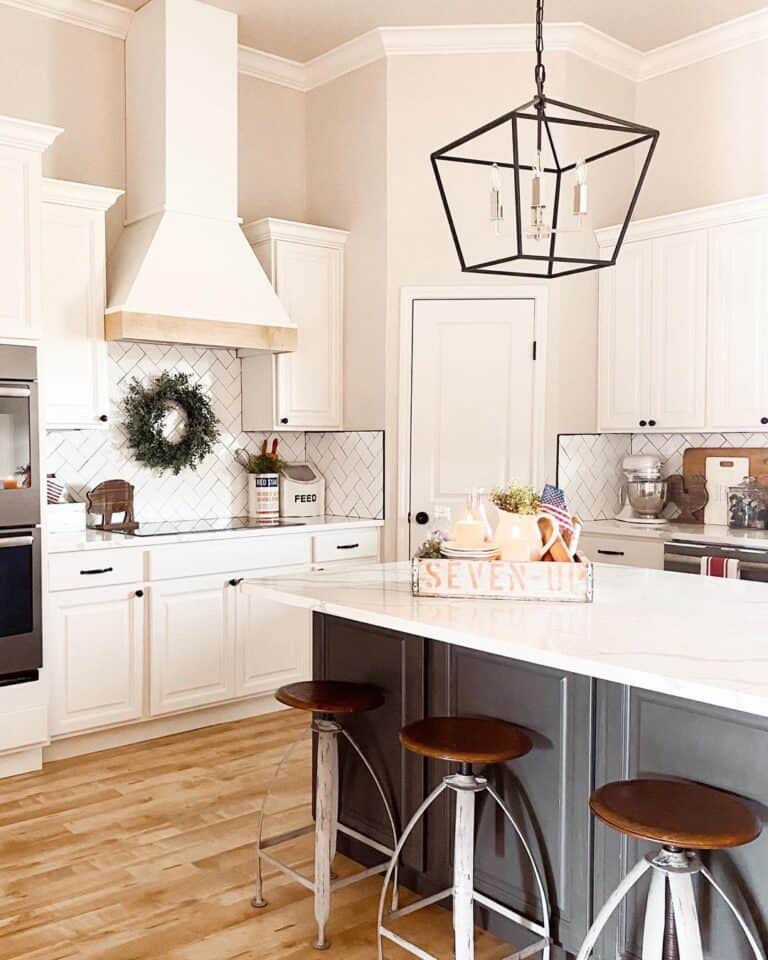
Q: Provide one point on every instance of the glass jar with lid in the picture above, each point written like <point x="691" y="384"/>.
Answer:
<point x="748" y="505"/>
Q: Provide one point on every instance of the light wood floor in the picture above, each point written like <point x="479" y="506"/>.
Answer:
<point x="147" y="853"/>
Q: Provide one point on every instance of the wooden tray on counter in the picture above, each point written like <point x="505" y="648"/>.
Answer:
<point x="502" y="580"/>
<point x="695" y="460"/>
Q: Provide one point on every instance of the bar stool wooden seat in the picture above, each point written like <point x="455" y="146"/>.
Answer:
<point x="465" y="741"/>
<point x="325" y="699"/>
<point x="685" y="818"/>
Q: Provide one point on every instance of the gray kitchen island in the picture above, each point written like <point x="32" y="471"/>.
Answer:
<point x="663" y="675"/>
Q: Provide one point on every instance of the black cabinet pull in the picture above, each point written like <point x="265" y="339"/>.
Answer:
<point x="643" y="423"/>
<point x="89" y="573"/>
<point x="284" y="420"/>
<point x="763" y="420"/>
<point x="139" y="593"/>
<point x="611" y="553"/>
<point x="103" y="418"/>
<point x="235" y="581"/>
<point x="347" y="546"/>
<point x="651" y="423"/>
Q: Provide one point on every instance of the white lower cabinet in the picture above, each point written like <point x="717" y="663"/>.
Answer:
<point x="274" y="644"/>
<point x="96" y="657"/>
<point x="192" y="643"/>
<point x="626" y="552"/>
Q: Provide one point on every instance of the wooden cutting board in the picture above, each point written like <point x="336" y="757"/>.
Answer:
<point x="695" y="460"/>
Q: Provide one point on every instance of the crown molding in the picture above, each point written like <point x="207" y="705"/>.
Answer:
<point x="27" y="134"/>
<point x="697" y="218"/>
<point x="93" y="14"/>
<point x="273" y="69"/>
<point x="706" y="44"/>
<point x="271" y="228"/>
<point x="577" y="38"/>
<point x="86" y="196"/>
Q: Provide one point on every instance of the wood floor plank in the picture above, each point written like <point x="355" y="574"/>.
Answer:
<point x="147" y="852"/>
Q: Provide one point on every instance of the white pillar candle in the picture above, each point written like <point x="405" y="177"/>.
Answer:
<point x="470" y="533"/>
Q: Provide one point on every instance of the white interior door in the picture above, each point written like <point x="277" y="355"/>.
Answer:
<point x="473" y="402"/>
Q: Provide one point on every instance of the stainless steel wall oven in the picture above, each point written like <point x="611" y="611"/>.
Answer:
<point x="20" y="483"/>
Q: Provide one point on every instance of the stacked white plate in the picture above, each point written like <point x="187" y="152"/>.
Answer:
<point x="455" y="551"/>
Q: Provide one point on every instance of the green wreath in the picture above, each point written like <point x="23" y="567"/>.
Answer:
<point x="145" y="410"/>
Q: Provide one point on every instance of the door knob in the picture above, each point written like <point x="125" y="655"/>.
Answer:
<point x="139" y="593"/>
<point x="422" y="517"/>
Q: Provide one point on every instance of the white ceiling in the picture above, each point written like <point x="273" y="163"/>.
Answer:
<point x="302" y="29"/>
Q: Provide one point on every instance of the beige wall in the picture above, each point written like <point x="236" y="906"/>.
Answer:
<point x="714" y="138"/>
<point x="346" y="187"/>
<point x="272" y="151"/>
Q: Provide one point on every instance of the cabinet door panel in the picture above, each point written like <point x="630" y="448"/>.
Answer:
<point x="19" y="242"/>
<point x="74" y="350"/>
<point x="96" y="655"/>
<point x="678" y="331"/>
<point x="192" y="643"/>
<point x="625" y="304"/>
<point x="274" y="644"/>
<point x="308" y="282"/>
<point x="737" y="387"/>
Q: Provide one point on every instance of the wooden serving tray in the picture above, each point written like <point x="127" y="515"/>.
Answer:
<point x="695" y="460"/>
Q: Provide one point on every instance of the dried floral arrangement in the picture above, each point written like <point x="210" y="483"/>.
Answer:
<point x="516" y="498"/>
<point x="266" y="461"/>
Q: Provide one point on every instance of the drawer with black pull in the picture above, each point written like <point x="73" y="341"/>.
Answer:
<point x="345" y="545"/>
<point x="624" y="551"/>
<point x="94" y="568"/>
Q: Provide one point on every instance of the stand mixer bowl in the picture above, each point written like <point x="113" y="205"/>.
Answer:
<point x="647" y="497"/>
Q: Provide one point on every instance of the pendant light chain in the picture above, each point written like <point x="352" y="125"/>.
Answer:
<point x="540" y="73"/>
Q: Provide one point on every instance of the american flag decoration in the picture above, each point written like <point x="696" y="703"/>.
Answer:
<point x="553" y="503"/>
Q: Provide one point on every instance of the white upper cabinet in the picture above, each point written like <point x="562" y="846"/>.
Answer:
<point x="624" y="339"/>
<point x="73" y="290"/>
<point x="683" y="340"/>
<point x="21" y="146"/>
<point x="738" y="326"/>
<point x="300" y="390"/>
<point x="678" y="331"/>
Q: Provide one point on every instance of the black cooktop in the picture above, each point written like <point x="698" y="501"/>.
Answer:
<point x="169" y="527"/>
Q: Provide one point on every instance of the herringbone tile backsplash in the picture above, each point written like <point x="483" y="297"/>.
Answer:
<point x="589" y="464"/>
<point x="352" y="462"/>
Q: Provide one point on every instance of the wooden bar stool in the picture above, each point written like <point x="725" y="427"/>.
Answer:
<point x="684" y="818"/>
<point x="465" y="741"/>
<point x="325" y="699"/>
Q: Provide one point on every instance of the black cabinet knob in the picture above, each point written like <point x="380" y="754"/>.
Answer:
<point x="284" y="420"/>
<point x="643" y="423"/>
<point x="235" y="581"/>
<point x="422" y="517"/>
<point x="103" y="418"/>
<point x="139" y="593"/>
<point x="651" y="423"/>
<point x="763" y="420"/>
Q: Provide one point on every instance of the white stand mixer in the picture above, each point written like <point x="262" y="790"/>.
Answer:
<point x="644" y="491"/>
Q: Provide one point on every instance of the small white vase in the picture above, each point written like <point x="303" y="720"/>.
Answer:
<point x="264" y="496"/>
<point x="519" y="537"/>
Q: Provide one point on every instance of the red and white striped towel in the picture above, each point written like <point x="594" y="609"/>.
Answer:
<point x="720" y="567"/>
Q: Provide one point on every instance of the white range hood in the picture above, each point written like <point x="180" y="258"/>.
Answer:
<point x="183" y="271"/>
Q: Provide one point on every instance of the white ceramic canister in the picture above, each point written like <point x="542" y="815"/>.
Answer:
<point x="264" y="496"/>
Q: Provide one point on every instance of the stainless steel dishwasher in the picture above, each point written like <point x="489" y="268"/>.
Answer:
<point x="684" y="556"/>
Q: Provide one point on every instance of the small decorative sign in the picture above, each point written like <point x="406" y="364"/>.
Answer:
<point x="500" y="579"/>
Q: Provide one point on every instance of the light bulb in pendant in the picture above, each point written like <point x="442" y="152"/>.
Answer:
<point x="497" y="203"/>
<point x="581" y="192"/>
<point x="538" y="229"/>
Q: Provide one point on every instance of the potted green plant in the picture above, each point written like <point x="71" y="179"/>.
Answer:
<point x="517" y="532"/>
<point x="264" y="469"/>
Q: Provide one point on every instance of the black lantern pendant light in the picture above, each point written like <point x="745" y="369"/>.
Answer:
<point x="528" y="161"/>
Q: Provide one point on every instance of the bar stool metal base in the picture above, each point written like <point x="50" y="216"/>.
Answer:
<point x="326" y="828"/>
<point x="670" y="897"/>
<point x="466" y="786"/>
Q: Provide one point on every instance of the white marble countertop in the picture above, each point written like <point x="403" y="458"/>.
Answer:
<point x="96" y="540"/>
<point x="693" y="637"/>
<point x="698" y="532"/>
